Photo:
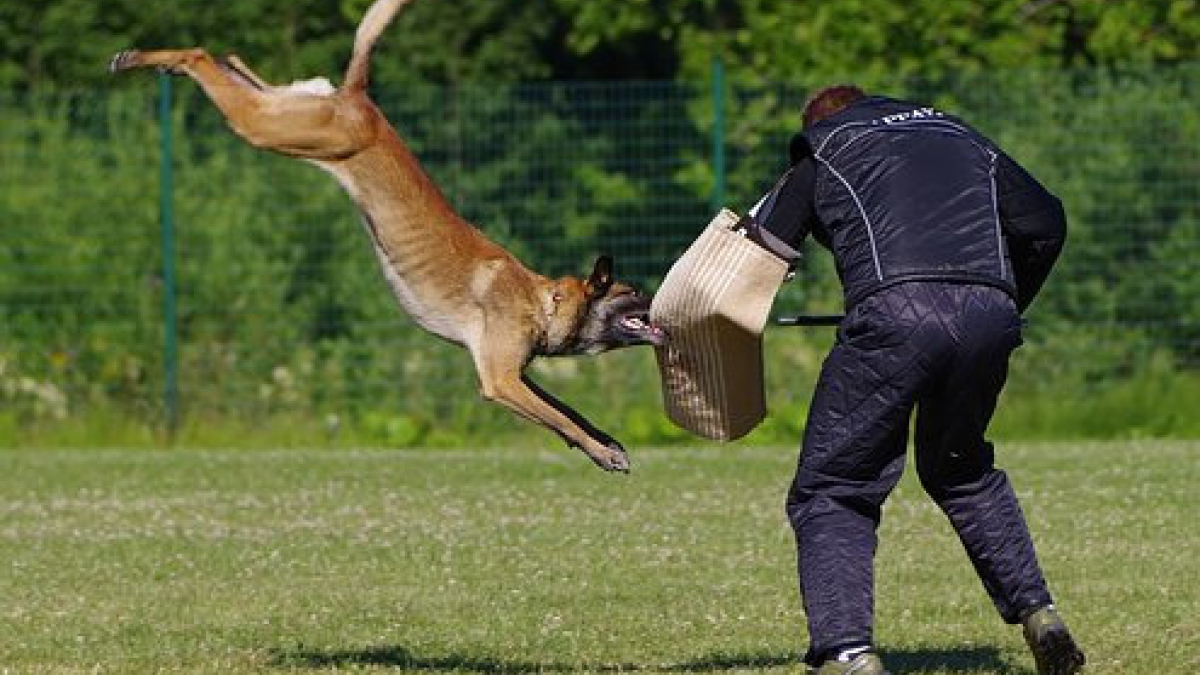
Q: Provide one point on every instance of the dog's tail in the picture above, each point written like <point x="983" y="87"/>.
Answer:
<point x="378" y="16"/>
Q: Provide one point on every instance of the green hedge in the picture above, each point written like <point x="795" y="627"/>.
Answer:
<point x="289" y="335"/>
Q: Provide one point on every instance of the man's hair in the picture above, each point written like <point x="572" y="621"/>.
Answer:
<point x="830" y="101"/>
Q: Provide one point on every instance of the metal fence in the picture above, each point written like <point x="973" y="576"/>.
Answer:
<point x="151" y="263"/>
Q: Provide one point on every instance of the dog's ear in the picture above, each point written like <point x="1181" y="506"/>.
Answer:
<point x="602" y="278"/>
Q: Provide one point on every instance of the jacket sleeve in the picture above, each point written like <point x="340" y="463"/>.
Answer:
<point x="788" y="211"/>
<point x="1034" y="225"/>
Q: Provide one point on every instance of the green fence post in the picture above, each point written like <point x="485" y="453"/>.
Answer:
<point x="167" y="214"/>
<point x="718" y="134"/>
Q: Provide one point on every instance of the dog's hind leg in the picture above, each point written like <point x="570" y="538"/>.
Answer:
<point x="238" y="68"/>
<point x="297" y="123"/>
<point x="184" y="62"/>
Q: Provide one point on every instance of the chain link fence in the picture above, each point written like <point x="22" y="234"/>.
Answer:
<point x="238" y="285"/>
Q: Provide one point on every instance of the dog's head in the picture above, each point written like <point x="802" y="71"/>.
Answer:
<point x="608" y="314"/>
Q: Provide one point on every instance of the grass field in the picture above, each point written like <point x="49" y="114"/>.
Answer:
<point x="528" y="561"/>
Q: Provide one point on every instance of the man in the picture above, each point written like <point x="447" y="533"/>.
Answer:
<point x="940" y="241"/>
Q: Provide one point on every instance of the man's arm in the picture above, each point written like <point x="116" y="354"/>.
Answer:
<point x="789" y="214"/>
<point x="1034" y="224"/>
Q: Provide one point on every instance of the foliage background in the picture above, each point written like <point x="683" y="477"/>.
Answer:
<point x="563" y="128"/>
<point x="760" y="40"/>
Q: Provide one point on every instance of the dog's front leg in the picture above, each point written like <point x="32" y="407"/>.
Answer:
<point x="501" y="381"/>
<point x="590" y="431"/>
<point x="535" y="405"/>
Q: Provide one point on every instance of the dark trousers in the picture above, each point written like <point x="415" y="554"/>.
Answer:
<point x="942" y="349"/>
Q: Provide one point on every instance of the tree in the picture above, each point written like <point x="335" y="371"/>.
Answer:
<point x="790" y="40"/>
<point x="54" y="43"/>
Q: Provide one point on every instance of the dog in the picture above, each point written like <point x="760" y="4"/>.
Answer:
<point x="453" y="281"/>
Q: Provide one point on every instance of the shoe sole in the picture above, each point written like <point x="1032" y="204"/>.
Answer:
<point x="1056" y="654"/>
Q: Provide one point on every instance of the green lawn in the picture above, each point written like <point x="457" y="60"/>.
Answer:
<point x="526" y="561"/>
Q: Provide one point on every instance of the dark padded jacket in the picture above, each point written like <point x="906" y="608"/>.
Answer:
<point x="902" y="192"/>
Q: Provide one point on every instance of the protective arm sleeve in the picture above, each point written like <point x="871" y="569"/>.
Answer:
<point x="1034" y="225"/>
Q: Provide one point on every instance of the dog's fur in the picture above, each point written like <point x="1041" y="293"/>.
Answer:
<point x="454" y="282"/>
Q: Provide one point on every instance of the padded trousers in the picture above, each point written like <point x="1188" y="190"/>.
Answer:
<point x="940" y="349"/>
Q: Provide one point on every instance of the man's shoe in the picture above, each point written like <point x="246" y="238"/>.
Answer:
<point x="866" y="663"/>
<point x="1054" y="651"/>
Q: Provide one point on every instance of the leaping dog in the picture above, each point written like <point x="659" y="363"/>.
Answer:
<point x="455" y="282"/>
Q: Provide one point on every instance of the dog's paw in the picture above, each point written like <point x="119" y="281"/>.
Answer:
<point x="124" y="61"/>
<point x="614" y="459"/>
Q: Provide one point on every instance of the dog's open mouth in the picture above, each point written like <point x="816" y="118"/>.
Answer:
<point x="638" y="326"/>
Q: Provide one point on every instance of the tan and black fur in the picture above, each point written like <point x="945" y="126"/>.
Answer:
<point x="454" y="282"/>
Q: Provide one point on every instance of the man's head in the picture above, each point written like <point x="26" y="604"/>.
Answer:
<point x="830" y="101"/>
